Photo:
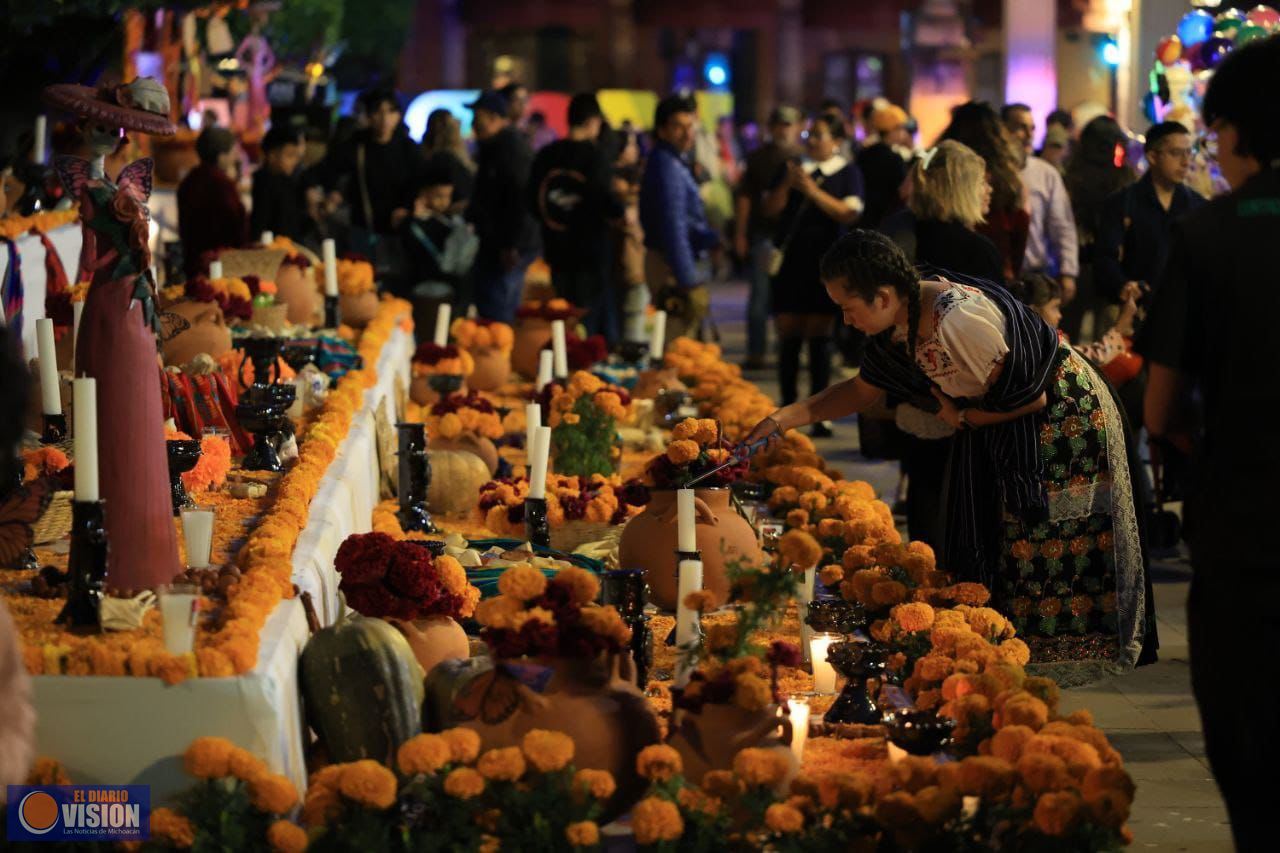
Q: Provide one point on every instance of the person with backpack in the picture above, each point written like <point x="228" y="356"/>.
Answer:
<point x="439" y="246"/>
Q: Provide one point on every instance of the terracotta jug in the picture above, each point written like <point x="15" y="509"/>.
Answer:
<point x="710" y="738"/>
<point x="421" y="392"/>
<point x="493" y="368"/>
<point x="477" y="444"/>
<point x="532" y="334"/>
<point x="649" y="543"/>
<point x="595" y="702"/>
<point x="435" y="639"/>
<point x="358" y="309"/>
<point x="207" y="332"/>
<point x="296" y="288"/>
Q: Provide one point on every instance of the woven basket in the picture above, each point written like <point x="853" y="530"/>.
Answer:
<point x="568" y="536"/>
<point x="55" y="522"/>
<point x="264" y="263"/>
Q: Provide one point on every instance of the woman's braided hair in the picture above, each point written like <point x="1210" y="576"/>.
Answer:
<point x="867" y="261"/>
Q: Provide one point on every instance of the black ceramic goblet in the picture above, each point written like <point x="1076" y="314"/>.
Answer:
<point x="857" y="662"/>
<point x="183" y="456"/>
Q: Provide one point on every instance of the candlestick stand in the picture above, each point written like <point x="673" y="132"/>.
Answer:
<point x="86" y="565"/>
<point x="332" y="314"/>
<point x="414" y="479"/>
<point x="626" y="590"/>
<point x="54" y="429"/>
<point x="536" y="527"/>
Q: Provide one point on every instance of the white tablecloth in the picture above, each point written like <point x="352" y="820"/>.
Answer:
<point x="66" y="239"/>
<point x="134" y="730"/>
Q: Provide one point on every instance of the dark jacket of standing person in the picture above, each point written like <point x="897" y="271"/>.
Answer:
<point x="1093" y="175"/>
<point x="388" y="172"/>
<point x="883" y="168"/>
<point x="443" y="149"/>
<point x="499" y="209"/>
<point x="1134" y="235"/>
<point x="210" y="213"/>
<point x="671" y="213"/>
<point x="277" y="204"/>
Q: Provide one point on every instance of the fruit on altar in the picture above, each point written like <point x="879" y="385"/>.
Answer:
<point x="362" y="687"/>
<point x="456" y="478"/>
<point x="358" y="309"/>
<point x="479" y="445"/>
<point x="296" y="287"/>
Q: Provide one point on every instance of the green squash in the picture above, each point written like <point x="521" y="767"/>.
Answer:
<point x="362" y="689"/>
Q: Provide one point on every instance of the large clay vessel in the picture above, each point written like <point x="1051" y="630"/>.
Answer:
<point x="434" y="640"/>
<point x="532" y="334"/>
<point x="296" y="288"/>
<point x="596" y="702"/>
<point x="492" y="370"/>
<point x="358" y="309"/>
<point x="649" y="543"/>
<point x="421" y="392"/>
<point x="206" y="332"/>
<point x="710" y="738"/>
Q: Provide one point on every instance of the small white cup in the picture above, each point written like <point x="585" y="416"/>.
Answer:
<point x="179" y="614"/>
<point x="197" y="532"/>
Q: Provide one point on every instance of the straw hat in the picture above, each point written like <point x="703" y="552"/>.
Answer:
<point x="141" y="106"/>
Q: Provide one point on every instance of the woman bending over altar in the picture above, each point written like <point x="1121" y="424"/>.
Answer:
<point x="1039" y="502"/>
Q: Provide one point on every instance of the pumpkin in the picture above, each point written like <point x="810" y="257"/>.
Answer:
<point x="362" y="687"/>
<point x="456" y="478"/>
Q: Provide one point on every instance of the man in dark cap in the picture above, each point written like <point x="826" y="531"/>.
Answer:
<point x="498" y="209"/>
<point x="210" y="213"/>
<point x="569" y="193"/>
<point x="277" y="196"/>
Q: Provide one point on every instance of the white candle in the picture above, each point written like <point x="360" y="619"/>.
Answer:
<point x="77" y="308"/>
<point x="85" y="399"/>
<point x="330" y="250"/>
<point x="544" y="369"/>
<point x="690" y="580"/>
<point x="533" y="420"/>
<point x="798" y="710"/>
<point x="658" y="337"/>
<point x="443" y="314"/>
<point x="37" y="148"/>
<point x="686" y="522"/>
<point x="538" y="463"/>
<point x="558" y="349"/>
<point x="472" y="311"/>
<point x="215" y="270"/>
<point x="268" y="238"/>
<point x="197" y="532"/>
<point x="824" y="674"/>
<point x="50" y="394"/>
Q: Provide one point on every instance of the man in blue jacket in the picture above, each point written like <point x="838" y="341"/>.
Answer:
<point x="676" y="232"/>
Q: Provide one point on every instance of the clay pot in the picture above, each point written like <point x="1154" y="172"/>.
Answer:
<point x="651" y="382"/>
<point x="359" y="309"/>
<point x="596" y="702"/>
<point x="297" y="289"/>
<point x="477" y="444"/>
<point x="493" y="368"/>
<point x="421" y="392"/>
<point x="532" y="334"/>
<point x="649" y="543"/>
<point x="710" y="738"/>
<point x="208" y="333"/>
<point x="435" y="639"/>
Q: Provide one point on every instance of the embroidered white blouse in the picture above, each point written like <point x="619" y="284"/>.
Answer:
<point x="967" y="342"/>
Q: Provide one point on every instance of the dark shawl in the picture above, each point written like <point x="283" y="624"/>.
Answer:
<point x="994" y="468"/>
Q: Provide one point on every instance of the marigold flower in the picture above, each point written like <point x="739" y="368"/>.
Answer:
<point x="598" y="784"/>
<point x="1015" y="651"/>
<point x="797" y="518"/>
<point x="799" y="549"/>
<point x="522" y="582"/>
<point x="1057" y="812"/>
<point x="285" y="836"/>
<point x="423" y="754"/>
<point x="464" y="744"/>
<point x="548" y="751"/>
<point x="273" y="793"/>
<point x="831" y="575"/>
<point x="761" y="767"/>
<point x="721" y="637"/>
<point x="172" y="827"/>
<point x="502" y="765"/>
<point x="48" y="771"/>
<point x="654" y="820"/>
<point x="1101" y="779"/>
<point x="208" y="757"/>
<point x="607" y="622"/>
<point x="888" y="593"/>
<point x="683" y="451"/>
<point x="686" y="429"/>
<point x="916" y="616"/>
<point x="701" y="600"/>
<point x="368" y="783"/>
<point x="1024" y="710"/>
<point x="583" y="585"/>
<point x="784" y="818"/>
<point x="584" y="833"/>
<point x="658" y="763"/>
<point x="972" y="594"/>
<point x="464" y="783"/>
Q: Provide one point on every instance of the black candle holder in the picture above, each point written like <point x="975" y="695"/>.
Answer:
<point x="54" y="429"/>
<point x="298" y="355"/>
<point x="414" y="479"/>
<point x="263" y="353"/>
<point x="918" y="732"/>
<point x="86" y="565"/>
<point x="536" y="527"/>
<point x="445" y="384"/>
<point x="634" y="352"/>
<point x="266" y="420"/>
<point x="835" y="616"/>
<point x="183" y="456"/>
<point x="332" y="313"/>
<point x="626" y="590"/>
<point x="857" y="662"/>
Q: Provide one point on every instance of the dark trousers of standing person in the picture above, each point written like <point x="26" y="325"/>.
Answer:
<point x="1233" y="644"/>
<point x="924" y="461"/>
<point x="588" y="284"/>
<point x="797" y="332"/>
<point x="498" y="289"/>
<point x="758" y="299"/>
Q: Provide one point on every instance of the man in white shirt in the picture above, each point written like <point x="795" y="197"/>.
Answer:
<point x="1052" y="243"/>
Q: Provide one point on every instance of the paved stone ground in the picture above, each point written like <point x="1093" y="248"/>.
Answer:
<point x="1148" y="714"/>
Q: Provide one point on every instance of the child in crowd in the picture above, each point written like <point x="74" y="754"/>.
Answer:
<point x="439" y="246"/>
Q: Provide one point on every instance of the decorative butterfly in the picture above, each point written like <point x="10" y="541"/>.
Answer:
<point x="494" y="696"/>
<point x="76" y="173"/>
<point x="18" y="514"/>
<point x="135" y="179"/>
<point x="172" y="324"/>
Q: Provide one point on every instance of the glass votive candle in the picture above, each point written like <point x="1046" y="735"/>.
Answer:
<point x="179" y="613"/>
<point x="197" y="532"/>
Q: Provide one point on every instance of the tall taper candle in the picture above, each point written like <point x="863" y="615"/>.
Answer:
<point x="806" y="598"/>
<point x="690" y="580"/>
<point x="444" y="313"/>
<point x="85" y="399"/>
<point x="50" y="392"/>
<point x="39" y="132"/>
<point x="533" y="420"/>
<point x="215" y="270"/>
<point x="558" y="349"/>
<point x="544" y="369"/>
<point x="538" y="463"/>
<point x="658" y="337"/>
<point x="472" y="311"/>
<point x="268" y="237"/>
<point x="330" y="250"/>
<point x="77" y="308"/>
<point x="798" y="711"/>
<point x="686" y="522"/>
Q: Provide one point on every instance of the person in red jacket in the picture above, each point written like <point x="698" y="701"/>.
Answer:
<point x="210" y="212"/>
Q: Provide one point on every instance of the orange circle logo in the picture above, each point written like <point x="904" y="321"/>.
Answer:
<point x="38" y="812"/>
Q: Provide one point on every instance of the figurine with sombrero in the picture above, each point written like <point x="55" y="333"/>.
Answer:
<point x="117" y="339"/>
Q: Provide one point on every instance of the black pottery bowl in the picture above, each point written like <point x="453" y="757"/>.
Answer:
<point x="281" y="393"/>
<point x="183" y="455"/>
<point x="918" y="732"/>
<point x="855" y="659"/>
<point x="445" y="383"/>
<point x="261" y="417"/>
<point x="633" y="352"/>
<point x="835" y="616"/>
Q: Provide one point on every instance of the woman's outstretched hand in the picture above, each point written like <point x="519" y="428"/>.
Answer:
<point x="769" y="428"/>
